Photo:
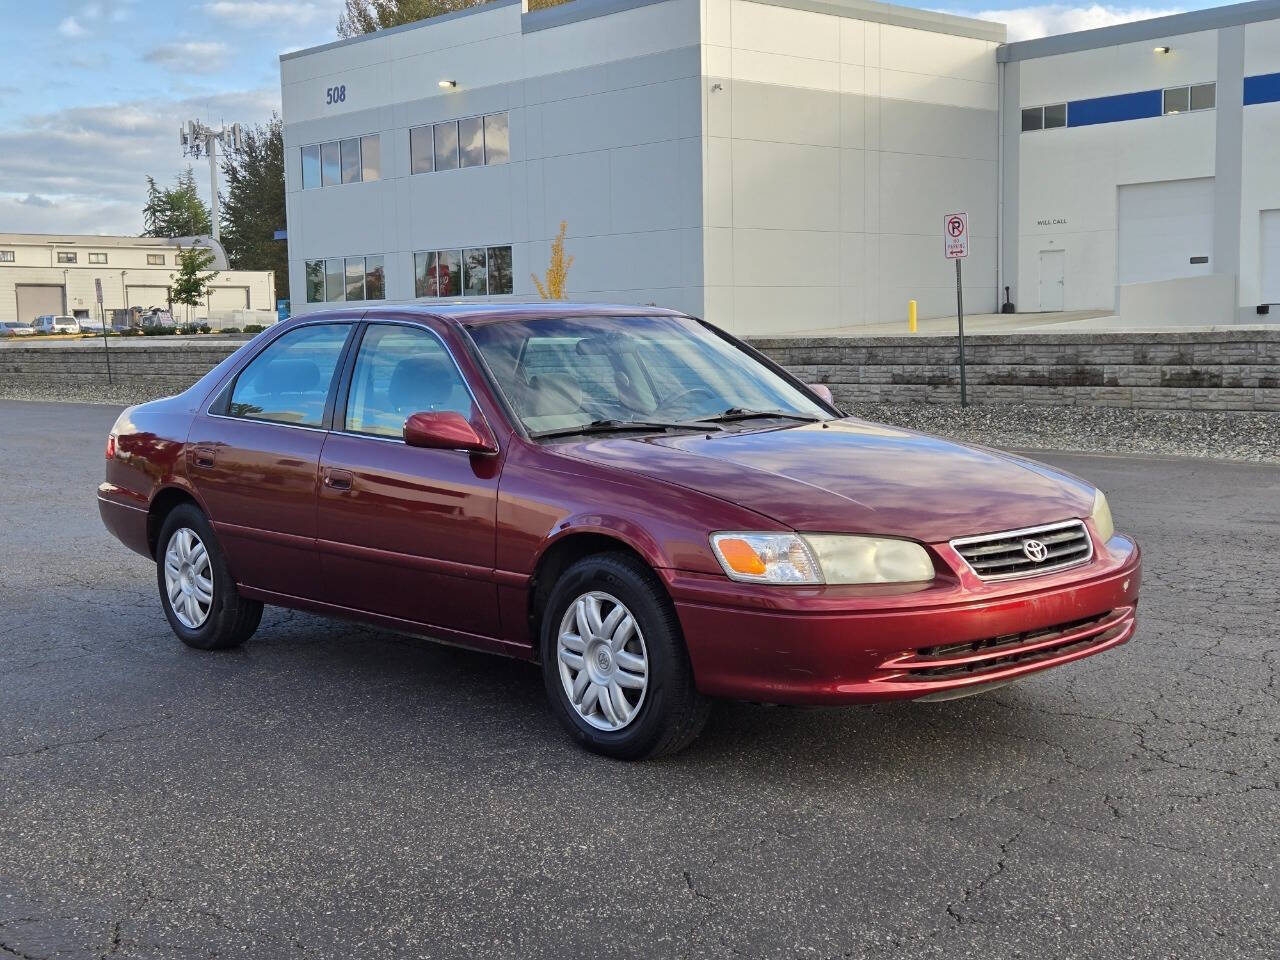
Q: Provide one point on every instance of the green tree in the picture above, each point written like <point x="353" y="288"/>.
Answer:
<point x="254" y="206"/>
<point x="176" y="211"/>
<point x="366" y="16"/>
<point x="191" y="282"/>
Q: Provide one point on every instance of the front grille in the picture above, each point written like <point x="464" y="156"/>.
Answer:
<point x="975" y="659"/>
<point x="1003" y="556"/>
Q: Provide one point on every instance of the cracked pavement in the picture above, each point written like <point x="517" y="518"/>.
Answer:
<point x="331" y="790"/>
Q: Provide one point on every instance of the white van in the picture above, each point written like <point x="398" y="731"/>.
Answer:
<point x="58" y="324"/>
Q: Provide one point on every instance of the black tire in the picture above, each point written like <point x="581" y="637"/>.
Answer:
<point x="672" y="712"/>
<point x="230" y="618"/>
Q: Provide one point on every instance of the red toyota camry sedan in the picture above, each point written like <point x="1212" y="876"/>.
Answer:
<point x="644" y="505"/>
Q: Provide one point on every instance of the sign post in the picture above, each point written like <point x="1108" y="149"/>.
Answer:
<point x="102" y="319"/>
<point x="955" y="244"/>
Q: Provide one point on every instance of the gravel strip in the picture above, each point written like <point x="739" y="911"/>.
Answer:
<point x="1186" y="433"/>
<point x="1219" y="436"/>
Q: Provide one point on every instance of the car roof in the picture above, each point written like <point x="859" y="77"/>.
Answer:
<point x="485" y="313"/>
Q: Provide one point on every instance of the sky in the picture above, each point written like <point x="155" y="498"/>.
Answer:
<point x="92" y="92"/>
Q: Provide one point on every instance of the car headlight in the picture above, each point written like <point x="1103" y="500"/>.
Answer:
<point x="1101" y="517"/>
<point x="811" y="558"/>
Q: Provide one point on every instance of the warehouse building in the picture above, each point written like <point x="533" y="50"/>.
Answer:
<point x="781" y="165"/>
<point x="43" y="274"/>
<point x="1141" y="167"/>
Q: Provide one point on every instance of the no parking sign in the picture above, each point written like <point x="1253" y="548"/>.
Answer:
<point x="955" y="235"/>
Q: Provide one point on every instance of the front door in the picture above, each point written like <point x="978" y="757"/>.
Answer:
<point x="406" y="532"/>
<point x="1053" y="267"/>
<point x="254" y="458"/>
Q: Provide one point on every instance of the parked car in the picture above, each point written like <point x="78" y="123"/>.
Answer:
<point x="15" y="328"/>
<point x="56" y="324"/>
<point x="653" y="511"/>
<point x="89" y="324"/>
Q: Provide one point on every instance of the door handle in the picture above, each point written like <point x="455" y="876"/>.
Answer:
<point x="340" y="480"/>
<point x="203" y="457"/>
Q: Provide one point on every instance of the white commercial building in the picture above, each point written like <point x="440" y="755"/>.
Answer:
<point x="777" y="165"/>
<point x="1142" y="167"/>
<point x="44" y="274"/>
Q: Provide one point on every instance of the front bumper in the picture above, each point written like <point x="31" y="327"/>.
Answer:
<point x="833" y="645"/>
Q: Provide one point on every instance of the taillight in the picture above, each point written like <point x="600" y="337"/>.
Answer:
<point x="111" y="446"/>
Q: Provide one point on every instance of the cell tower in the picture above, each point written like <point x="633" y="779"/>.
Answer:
<point x="199" y="140"/>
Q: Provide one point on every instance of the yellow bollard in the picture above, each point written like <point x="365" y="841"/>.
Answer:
<point x="911" y="315"/>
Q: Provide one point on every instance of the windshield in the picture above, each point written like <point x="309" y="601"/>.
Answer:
<point x="562" y="373"/>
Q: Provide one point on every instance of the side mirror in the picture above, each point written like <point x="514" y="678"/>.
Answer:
<point x="446" y="431"/>
<point x="823" y="392"/>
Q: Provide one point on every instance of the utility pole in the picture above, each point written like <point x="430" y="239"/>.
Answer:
<point x="199" y="140"/>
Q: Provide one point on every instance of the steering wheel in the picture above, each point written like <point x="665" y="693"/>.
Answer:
<point x="682" y="395"/>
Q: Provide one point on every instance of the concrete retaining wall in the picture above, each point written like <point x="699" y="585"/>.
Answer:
<point x="1232" y="370"/>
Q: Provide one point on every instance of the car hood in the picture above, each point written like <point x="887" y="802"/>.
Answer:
<point x="852" y="476"/>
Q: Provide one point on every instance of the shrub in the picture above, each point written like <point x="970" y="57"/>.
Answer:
<point x="159" y="331"/>
<point x="130" y="332"/>
<point x="253" y="328"/>
<point x="230" y="330"/>
<point x="204" y="328"/>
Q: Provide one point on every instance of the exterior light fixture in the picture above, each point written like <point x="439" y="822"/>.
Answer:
<point x="448" y="84"/>
<point x="1162" y="49"/>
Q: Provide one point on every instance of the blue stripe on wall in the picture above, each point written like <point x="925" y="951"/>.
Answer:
<point x="1264" y="88"/>
<point x="1122" y="106"/>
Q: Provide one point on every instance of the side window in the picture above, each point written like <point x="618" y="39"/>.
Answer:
<point x="289" y="381"/>
<point x="400" y="371"/>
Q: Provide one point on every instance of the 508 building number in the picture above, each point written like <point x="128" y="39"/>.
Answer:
<point x="335" y="94"/>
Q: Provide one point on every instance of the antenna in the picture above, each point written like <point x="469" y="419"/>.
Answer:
<point x="198" y="140"/>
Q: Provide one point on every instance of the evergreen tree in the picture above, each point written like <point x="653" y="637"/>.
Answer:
<point x="253" y="209"/>
<point x="191" y="282"/>
<point x="176" y="211"/>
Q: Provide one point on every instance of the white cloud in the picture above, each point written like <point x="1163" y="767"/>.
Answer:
<point x="198" y="56"/>
<point x="264" y="11"/>
<point x="71" y="27"/>
<point x="1026" y="23"/>
<point x="84" y="169"/>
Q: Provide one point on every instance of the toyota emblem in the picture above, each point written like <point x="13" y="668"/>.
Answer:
<point x="1035" y="551"/>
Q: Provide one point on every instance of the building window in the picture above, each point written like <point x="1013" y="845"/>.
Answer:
<point x="1197" y="96"/>
<point x="155" y="259"/>
<point x="6" y="256"/>
<point x="472" y="272"/>
<point x="315" y="281"/>
<point x="97" y="258"/>
<point x="1044" y="118"/>
<point x="497" y="139"/>
<point x="371" y="157"/>
<point x="311" y="166"/>
<point x="469" y="142"/>
<point x="353" y="160"/>
<point x="65" y="257"/>
<point x="421" y="152"/>
<point x="446" y="135"/>
<point x="345" y="279"/>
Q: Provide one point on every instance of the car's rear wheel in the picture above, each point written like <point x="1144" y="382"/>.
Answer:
<point x="197" y="591"/>
<point x="614" y="661"/>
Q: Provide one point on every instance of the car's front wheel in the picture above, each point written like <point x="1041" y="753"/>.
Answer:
<point x="197" y="591"/>
<point x="614" y="661"/>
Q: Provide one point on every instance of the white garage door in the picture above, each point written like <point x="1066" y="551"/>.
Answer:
<point x="1271" y="256"/>
<point x="40" y="300"/>
<point x="229" y="298"/>
<point x="147" y="297"/>
<point x="1166" y="230"/>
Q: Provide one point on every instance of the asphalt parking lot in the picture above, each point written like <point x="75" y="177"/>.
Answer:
<point x="334" y="791"/>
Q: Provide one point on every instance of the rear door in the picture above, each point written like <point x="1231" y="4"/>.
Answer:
<point x="406" y="532"/>
<point x="254" y="454"/>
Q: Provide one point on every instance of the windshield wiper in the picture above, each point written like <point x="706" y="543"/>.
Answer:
<point x="742" y="413"/>
<point x="610" y="425"/>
